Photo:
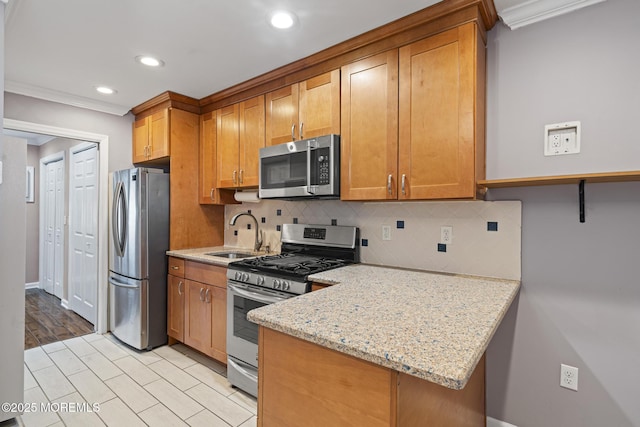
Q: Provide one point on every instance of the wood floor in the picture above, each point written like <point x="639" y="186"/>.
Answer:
<point x="46" y="321"/>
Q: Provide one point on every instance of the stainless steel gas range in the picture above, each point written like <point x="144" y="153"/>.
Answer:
<point x="255" y="282"/>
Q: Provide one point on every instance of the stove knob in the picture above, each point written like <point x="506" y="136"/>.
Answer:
<point x="260" y="281"/>
<point x="245" y="277"/>
<point x="276" y="284"/>
<point x="238" y="275"/>
<point x="285" y="286"/>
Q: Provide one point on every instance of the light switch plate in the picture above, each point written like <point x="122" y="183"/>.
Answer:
<point x="562" y="138"/>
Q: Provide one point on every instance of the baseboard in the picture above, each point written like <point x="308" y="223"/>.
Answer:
<point x="492" y="422"/>
<point x="32" y="285"/>
<point x="65" y="304"/>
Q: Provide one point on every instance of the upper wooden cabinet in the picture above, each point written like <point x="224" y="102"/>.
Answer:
<point x="151" y="137"/>
<point x="413" y="120"/>
<point x="240" y="135"/>
<point x="369" y="134"/>
<point x="304" y="110"/>
<point x="441" y="115"/>
<point x="209" y="194"/>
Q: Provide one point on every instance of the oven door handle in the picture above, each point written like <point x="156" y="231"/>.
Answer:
<point x="256" y="296"/>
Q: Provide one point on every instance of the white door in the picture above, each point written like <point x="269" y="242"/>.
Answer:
<point x="83" y="225"/>
<point x="53" y="245"/>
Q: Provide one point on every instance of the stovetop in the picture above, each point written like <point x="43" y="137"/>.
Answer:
<point x="306" y="249"/>
<point x="291" y="264"/>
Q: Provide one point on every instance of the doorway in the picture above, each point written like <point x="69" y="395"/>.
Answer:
<point x="99" y="251"/>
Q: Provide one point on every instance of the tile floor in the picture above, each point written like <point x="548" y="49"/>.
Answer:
<point x="169" y="386"/>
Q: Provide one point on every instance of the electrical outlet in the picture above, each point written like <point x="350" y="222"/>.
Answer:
<point x="569" y="377"/>
<point x="562" y="138"/>
<point x="446" y="234"/>
<point x="386" y="232"/>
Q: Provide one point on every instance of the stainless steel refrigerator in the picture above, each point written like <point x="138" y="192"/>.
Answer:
<point x="137" y="257"/>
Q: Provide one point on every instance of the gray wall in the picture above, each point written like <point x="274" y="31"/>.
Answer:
<point x="19" y="107"/>
<point x="13" y="154"/>
<point x="580" y="298"/>
<point x="580" y="66"/>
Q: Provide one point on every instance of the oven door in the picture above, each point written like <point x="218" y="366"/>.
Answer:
<point x="242" y="335"/>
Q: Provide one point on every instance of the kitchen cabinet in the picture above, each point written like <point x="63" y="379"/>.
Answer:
<point x="431" y="94"/>
<point x="175" y="300"/>
<point x="209" y="194"/>
<point x="304" y="110"/>
<point x="339" y="387"/>
<point x="151" y="137"/>
<point x="205" y="314"/>
<point x="369" y="134"/>
<point x="240" y="135"/>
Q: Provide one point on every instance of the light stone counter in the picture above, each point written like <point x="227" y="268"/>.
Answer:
<point x="198" y="254"/>
<point x="433" y="326"/>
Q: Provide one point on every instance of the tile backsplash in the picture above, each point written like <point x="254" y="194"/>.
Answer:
<point x="485" y="237"/>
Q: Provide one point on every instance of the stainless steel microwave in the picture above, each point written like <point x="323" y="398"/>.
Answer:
<point x="309" y="168"/>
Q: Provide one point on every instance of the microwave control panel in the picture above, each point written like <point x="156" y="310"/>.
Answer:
<point x="323" y="166"/>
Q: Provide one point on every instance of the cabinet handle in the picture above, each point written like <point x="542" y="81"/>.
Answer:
<point x="175" y="267"/>
<point x="201" y="291"/>
<point x="235" y="177"/>
<point x="206" y="297"/>
<point x="180" y="287"/>
<point x="404" y="192"/>
<point x="241" y="176"/>
<point x="211" y="193"/>
<point x="389" y="185"/>
<point x="293" y="135"/>
<point x="301" y="128"/>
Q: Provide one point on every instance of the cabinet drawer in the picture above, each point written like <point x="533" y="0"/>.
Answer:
<point x="206" y="273"/>
<point x="176" y="266"/>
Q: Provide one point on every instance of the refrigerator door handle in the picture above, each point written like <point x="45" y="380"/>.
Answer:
<point x="120" y="284"/>
<point x="119" y="227"/>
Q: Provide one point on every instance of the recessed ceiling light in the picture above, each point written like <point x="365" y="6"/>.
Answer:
<point x="282" y="19"/>
<point x="105" y="90"/>
<point x="149" y="61"/>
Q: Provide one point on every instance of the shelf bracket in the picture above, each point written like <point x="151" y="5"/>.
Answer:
<point x="581" y="198"/>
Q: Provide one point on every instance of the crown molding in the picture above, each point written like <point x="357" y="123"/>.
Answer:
<point x="538" y="10"/>
<point x="64" y="98"/>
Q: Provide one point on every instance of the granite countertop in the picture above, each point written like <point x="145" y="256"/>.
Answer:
<point x="198" y="254"/>
<point x="433" y="326"/>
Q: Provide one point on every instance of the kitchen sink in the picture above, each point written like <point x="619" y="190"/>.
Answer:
<point x="230" y="254"/>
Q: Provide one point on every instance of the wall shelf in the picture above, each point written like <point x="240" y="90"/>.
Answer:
<point x="579" y="179"/>
<point x="560" y="179"/>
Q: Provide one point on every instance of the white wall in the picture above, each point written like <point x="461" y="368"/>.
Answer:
<point x="580" y="300"/>
<point x="581" y="66"/>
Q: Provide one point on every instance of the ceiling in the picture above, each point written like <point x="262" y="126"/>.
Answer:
<point x="60" y="50"/>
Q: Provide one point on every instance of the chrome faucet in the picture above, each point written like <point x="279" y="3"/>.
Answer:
<point x="258" y="243"/>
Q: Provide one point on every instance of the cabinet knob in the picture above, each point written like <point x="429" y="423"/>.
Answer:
<point x="175" y="267"/>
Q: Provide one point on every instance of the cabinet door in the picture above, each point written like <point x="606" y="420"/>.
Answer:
<point x="252" y="137"/>
<point x="319" y="107"/>
<point x="159" y="135"/>
<point x="197" y="328"/>
<point x="227" y="147"/>
<point x="282" y="115"/>
<point x="437" y="116"/>
<point x="217" y="300"/>
<point x="207" y="158"/>
<point x="140" y="139"/>
<point x="369" y="135"/>
<point x="175" y="307"/>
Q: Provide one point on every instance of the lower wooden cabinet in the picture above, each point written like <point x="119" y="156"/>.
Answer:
<point x="197" y="309"/>
<point x="175" y="307"/>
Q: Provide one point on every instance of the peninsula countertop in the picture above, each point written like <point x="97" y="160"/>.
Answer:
<point x="430" y="325"/>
